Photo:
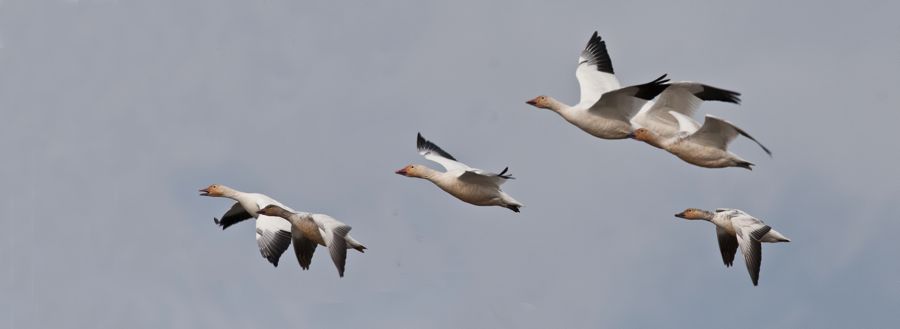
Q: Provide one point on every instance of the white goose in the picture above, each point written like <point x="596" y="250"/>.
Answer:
<point x="605" y="108"/>
<point x="683" y="97"/>
<point x="474" y="186"/>
<point x="273" y="234"/>
<point x="737" y="228"/>
<point x="704" y="146"/>
<point x="309" y="230"/>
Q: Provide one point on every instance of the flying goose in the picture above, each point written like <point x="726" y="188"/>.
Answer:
<point x="309" y="230"/>
<point x="736" y="228"/>
<point x="273" y="235"/>
<point x="474" y="186"/>
<point x="704" y="146"/>
<point x="605" y="108"/>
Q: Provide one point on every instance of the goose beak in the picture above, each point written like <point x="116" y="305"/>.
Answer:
<point x="532" y="102"/>
<point x="680" y="215"/>
<point x="630" y="135"/>
<point x="401" y="172"/>
<point x="204" y="192"/>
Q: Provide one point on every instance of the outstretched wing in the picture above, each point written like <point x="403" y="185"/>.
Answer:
<point x="303" y="249"/>
<point x="595" y="72"/>
<point x="749" y="232"/>
<point x="681" y="97"/>
<point x="481" y="177"/>
<point x="335" y="235"/>
<point x="233" y="216"/>
<point x="728" y="245"/>
<point x="434" y="153"/>
<point x="273" y="235"/>
<point x="622" y="104"/>
<point x="719" y="133"/>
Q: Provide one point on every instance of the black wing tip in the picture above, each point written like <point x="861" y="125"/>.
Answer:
<point x="596" y="54"/>
<point x="653" y="88"/>
<point x="503" y="174"/>
<point x="221" y="223"/>
<point x="710" y="93"/>
<point x="514" y="208"/>
<point x="425" y="145"/>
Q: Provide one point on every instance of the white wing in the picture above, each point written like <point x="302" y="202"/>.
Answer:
<point x="686" y="125"/>
<point x="273" y="234"/>
<point x="682" y="97"/>
<point x="749" y="231"/>
<point x="434" y="153"/>
<point x="624" y="103"/>
<point x="484" y="178"/>
<point x="334" y="233"/>
<point x="719" y="133"/>
<point x="595" y="72"/>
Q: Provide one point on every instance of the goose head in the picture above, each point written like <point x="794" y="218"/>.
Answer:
<point x="694" y="213"/>
<point x="215" y="190"/>
<point x="412" y="170"/>
<point x="544" y="102"/>
<point x="646" y="136"/>
<point x="272" y="210"/>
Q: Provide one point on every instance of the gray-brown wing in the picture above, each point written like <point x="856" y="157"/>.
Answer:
<point x="337" y="247"/>
<point x="728" y="246"/>
<point x="233" y="216"/>
<point x="752" y="249"/>
<point x="303" y="248"/>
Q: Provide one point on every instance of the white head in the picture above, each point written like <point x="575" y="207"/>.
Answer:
<point x="544" y="102"/>
<point x="414" y="170"/>
<point x="217" y="190"/>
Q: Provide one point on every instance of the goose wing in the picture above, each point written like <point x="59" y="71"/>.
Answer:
<point x="273" y="234"/>
<point x="233" y="216"/>
<point x="682" y="97"/>
<point x="482" y="177"/>
<point x="434" y="153"/>
<point x="623" y="104"/>
<point x="334" y="233"/>
<point x="595" y="72"/>
<point x="749" y="231"/>
<point x="719" y="133"/>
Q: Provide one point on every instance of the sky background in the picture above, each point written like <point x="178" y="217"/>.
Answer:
<point x="114" y="113"/>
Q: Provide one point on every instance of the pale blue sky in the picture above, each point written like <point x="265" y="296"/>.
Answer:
<point x="116" y="112"/>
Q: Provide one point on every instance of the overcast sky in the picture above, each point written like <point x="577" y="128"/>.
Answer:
<point x="114" y="113"/>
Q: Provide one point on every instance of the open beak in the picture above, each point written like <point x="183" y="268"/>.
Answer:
<point x="532" y="102"/>
<point x="401" y="172"/>
<point x="204" y="192"/>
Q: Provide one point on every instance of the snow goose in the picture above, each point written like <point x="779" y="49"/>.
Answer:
<point x="474" y="186"/>
<point x="273" y="235"/>
<point x="704" y="146"/>
<point x="736" y="228"/>
<point x="605" y="108"/>
<point x="683" y="97"/>
<point x="309" y="230"/>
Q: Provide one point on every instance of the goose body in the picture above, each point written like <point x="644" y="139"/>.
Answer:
<point x="471" y="185"/>
<point x="738" y="229"/>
